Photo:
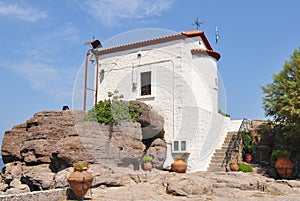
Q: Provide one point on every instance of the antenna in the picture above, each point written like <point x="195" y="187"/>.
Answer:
<point x="197" y="23"/>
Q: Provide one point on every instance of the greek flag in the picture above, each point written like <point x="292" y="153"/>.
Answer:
<point x="217" y="35"/>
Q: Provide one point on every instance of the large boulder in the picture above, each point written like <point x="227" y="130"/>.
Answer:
<point x="35" y="141"/>
<point x="38" y="177"/>
<point x="158" y="149"/>
<point x="152" y="123"/>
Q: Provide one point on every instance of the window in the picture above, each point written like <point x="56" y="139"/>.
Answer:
<point x="176" y="146"/>
<point x="180" y="146"/>
<point x="101" y="76"/>
<point x="146" y="83"/>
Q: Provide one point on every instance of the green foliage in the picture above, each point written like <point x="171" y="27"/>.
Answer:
<point x="80" y="165"/>
<point x="280" y="154"/>
<point x="282" y="100"/>
<point x="248" y="147"/>
<point x="245" y="168"/>
<point x="113" y="110"/>
<point x="147" y="158"/>
<point x="223" y="113"/>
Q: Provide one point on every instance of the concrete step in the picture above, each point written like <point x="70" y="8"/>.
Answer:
<point x="216" y="169"/>
<point x="216" y="164"/>
<point x="220" y="154"/>
<point x="218" y="157"/>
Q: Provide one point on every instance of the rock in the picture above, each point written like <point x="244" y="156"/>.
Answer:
<point x="158" y="149"/>
<point x="23" y="188"/>
<point x="152" y="123"/>
<point x="38" y="177"/>
<point x="34" y="141"/>
<point x="60" y="178"/>
<point x="13" y="171"/>
<point x="162" y="185"/>
<point x="105" y="176"/>
<point x="3" y="186"/>
<point x="15" y="183"/>
<point x="262" y="154"/>
<point x="188" y="184"/>
<point x="57" y="138"/>
<point x="40" y="151"/>
<point x="113" y="145"/>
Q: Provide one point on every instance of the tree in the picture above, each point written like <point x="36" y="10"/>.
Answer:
<point x="282" y="99"/>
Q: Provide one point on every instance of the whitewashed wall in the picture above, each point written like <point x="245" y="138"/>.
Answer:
<point x="184" y="92"/>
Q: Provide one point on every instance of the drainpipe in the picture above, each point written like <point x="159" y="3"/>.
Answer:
<point x="85" y="78"/>
<point x="97" y="77"/>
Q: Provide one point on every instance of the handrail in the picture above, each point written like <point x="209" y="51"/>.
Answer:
<point x="235" y="142"/>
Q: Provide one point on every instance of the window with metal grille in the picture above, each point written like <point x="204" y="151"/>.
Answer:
<point x="146" y="83"/>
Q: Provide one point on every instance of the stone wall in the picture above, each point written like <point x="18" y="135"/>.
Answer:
<point x="53" y="195"/>
<point x="265" y="142"/>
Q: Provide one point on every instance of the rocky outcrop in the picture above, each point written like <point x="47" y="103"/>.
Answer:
<point x="40" y="151"/>
<point x="162" y="185"/>
<point x="37" y="141"/>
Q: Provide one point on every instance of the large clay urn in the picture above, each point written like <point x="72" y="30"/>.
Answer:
<point x="284" y="167"/>
<point x="179" y="166"/>
<point x="80" y="181"/>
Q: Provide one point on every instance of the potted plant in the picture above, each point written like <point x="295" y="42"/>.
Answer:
<point x="283" y="165"/>
<point x="179" y="165"/>
<point x="80" y="180"/>
<point x="248" y="147"/>
<point x="146" y="161"/>
<point x="248" y="150"/>
<point x="234" y="166"/>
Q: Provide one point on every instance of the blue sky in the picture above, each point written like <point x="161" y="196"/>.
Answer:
<point x="42" y="45"/>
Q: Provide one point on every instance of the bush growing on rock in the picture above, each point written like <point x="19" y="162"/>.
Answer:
<point x="113" y="110"/>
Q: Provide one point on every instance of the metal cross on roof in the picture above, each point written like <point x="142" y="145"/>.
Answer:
<point x="197" y="23"/>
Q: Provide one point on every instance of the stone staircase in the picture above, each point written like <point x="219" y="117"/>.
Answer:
<point x="222" y="156"/>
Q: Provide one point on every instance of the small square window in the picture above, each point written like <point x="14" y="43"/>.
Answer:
<point x="180" y="146"/>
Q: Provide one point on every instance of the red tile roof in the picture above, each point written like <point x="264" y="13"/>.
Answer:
<point x="211" y="53"/>
<point x="181" y="35"/>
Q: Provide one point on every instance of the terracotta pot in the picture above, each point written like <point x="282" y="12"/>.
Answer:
<point x="179" y="166"/>
<point x="248" y="158"/>
<point x="147" y="166"/>
<point x="284" y="167"/>
<point x="234" y="167"/>
<point x="80" y="182"/>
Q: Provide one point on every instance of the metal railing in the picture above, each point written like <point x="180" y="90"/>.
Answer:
<point x="235" y="145"/>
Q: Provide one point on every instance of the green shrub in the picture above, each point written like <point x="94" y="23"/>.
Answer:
<point x="113" y="110"/>
<point x="147" y="158"/>
<point x="280" y="154"/>
<point x="245" y="168"/>
<point x="80" y="165"/>
<point x="248" y="147"/>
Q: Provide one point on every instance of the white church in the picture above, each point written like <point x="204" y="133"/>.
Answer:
<point x="177" y="75"/>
